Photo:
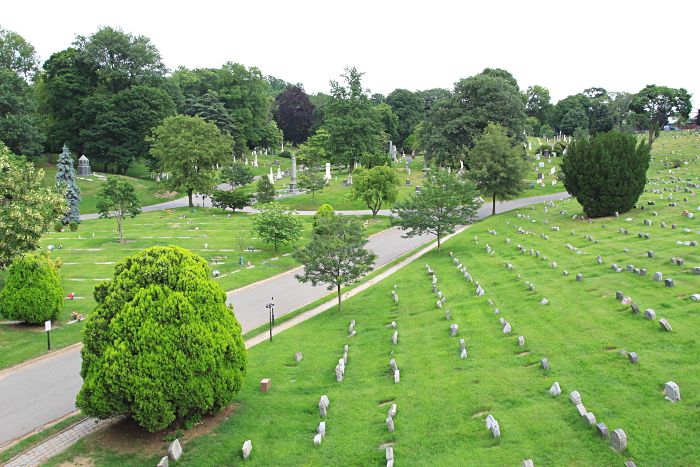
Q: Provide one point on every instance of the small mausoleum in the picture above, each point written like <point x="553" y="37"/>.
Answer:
<point x="84" y="166"/>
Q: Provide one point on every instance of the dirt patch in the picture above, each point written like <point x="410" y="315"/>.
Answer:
<point x="479" y="414"/>
<point x="522" y="354"/>
<point x="128" y="436"/>
<point x="79" y="461"/>
<point x="166" y="194"/>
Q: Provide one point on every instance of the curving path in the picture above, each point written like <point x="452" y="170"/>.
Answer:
<point x="43" y="390"/>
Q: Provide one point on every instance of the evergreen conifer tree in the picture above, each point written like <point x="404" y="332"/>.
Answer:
<point x="65" y="179"/>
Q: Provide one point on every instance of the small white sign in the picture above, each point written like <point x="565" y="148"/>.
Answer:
<point x="47" y="325"/>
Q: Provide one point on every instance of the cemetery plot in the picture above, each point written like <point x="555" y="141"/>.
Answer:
<point x="89" y="256"/>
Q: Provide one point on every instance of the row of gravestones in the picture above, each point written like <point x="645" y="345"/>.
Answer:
<point x="618" y="437"/>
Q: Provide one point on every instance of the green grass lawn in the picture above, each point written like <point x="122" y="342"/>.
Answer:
<point x="338" y="195"/>
<point x="443" y="400"/>
<point x="89" y="255"/>
<point x="148" y="191"/>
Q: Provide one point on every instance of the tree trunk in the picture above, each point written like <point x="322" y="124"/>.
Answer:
<point x="493" y="206"/>
<point x="119" y="229"/>
<point x="339" y="296"/>
<point x="651" y="136"/>
<point x="189" y="197"/>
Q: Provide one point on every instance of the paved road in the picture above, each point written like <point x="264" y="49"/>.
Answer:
<point x="39" y="392"/>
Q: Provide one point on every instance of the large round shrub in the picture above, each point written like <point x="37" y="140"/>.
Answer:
<point x="607" y="172"/>
<point x="161" y="345"/>
<point x="33" y="292"/>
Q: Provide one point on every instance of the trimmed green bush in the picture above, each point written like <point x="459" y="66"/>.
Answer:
<point x="33" y="292"/>
<point x="161" y="345"/>
<point x="324" y="211"/>
<point x="607" y="172"/>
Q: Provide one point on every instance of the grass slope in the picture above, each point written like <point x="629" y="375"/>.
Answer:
<point x="442" y="399"/>
<point x="89" y="256"/>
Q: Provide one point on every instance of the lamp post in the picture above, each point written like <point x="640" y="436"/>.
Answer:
<point x="271" y="310"/>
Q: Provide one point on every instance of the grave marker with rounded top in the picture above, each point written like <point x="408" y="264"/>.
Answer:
<point x="298" y="357"/>
<point x="618" y="440"/>
<point x="672" y="392"/>
<point x="545" y="364"/>
<point x="575" y="397"/>
<point x="632" y="357"/>
<point x="317" y="440"/>
<point x="321" y="430"/>
<point x="454" y="328"/>
<point x="521" y="341"/>
<point x="528" y="463"/>
<point x="649" y="314"/>
<point x="590" y="418"/>
<point x="602" y="430"/>
<point x="665" y="325"/>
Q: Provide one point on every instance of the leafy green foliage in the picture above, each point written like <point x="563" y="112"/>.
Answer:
<point x="336" y="254"/>
<point x="453" y="125"/>
<point x="265" y="191"/>
<point x="409" y="108"/>
<point x="236" y="174"/>
<point x="243" y="92"/>
<point x="33" y="291"/>
<point x="353" y="124"/>
<point x="374" y="159"/>
<point x="230" y="199"/>
<point x="375" y="186"/>
<point x="390" y="121"/>
<point x="294" y="114"/>
<point x="276" y="224"/>
<point x="65" y="181"/>
<point x="189" y="148"/>
<point x="323" y="212"/>
<point x="314" y="150"/>
<point x="496" y="165"/>
<point x="19" y="125"/>
<point x="655" y="104"/>
<point x="538" y="103"/>
<point x="17" y="55"/>
<point x="117" y="198"/>
<point x="210" y="107"/>
<point x="312" y="180"/>
<point x="445" y="202"/>
<point x="607" y="172"/>
<point x="27" y="209"/>
<point x="161" y="345"/>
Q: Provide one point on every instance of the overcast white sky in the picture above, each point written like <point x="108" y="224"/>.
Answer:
<point x="566" y="46"/>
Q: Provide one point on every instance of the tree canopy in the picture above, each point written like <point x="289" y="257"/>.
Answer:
<point x="444" y="202"/>
<point x="496" y="165"/>
<point x="27" y="208"/>
<point x="336" y="254"/>
<point x="409" y="108"/>
<point x="375" y="186"/>
<point x="161" y="345"/>
<point x="33" y="291"/>
<point x="277" y="224"/>
<point x="65" y="180"/>
<point x="189" y="148"/>
<point x="607" y="172"/>
<point x="294" y="114"/>
<point x="353" y="124"/>
<point x="117" y="198"/>
<point x="656" y="104"/>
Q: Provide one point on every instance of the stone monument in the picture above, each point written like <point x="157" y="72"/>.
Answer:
<point x="84" y="167"/>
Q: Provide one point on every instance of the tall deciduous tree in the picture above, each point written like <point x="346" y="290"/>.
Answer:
<point x="312" y="181"/>
<point x="607" y="172"/>
<point x="409" y="108"/>
<point x="445" y="202"/>
<point x="27" y="209"/>
<point x="656" y="104"/>
<point x="538" y="103"/>
<point x="314" y="150"/>
<point x="117" y="198"/>
<point x="65" y="179"/>
<point x="294" y="114"/>
<point x="496" y="165"/>
<point x="390" y="121"/>
<point x="452" y="126"/>
<point x="19" y="125"/>
<point x="277" y="224"/>
<point x="236" y="174"/>
<point x="161" y="346"/>
<point x="265" y="191"/>
<point x="189" y="148"/>
<point x="336" y="254"/>
<point x="353" y="124"/>
<point x="375" y="186"/>
<point x="17" y="54"/>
